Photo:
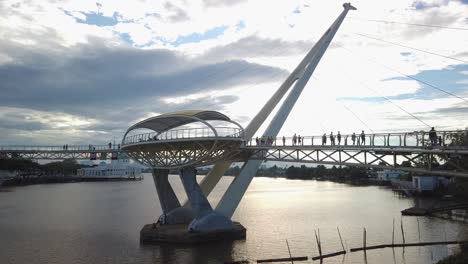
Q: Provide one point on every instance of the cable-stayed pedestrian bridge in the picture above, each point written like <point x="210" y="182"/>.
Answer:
<point x="189" y="139"/>
<point x="409" y="151"/>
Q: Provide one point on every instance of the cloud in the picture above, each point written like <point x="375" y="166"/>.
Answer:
<point x="255" y="46"/>
<point x="95" y="74"/>
<point x="178" y="14"/>
<point x="217" y="3"/>
<point x="81" y="72"/>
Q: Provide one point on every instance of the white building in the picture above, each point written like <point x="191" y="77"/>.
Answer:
<point x="429" y="183"/>
<point x="120" y="168"/>
<point x="388" y="175"/>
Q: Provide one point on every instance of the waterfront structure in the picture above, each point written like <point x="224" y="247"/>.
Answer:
<point x="186" y="140"/>
<point x="388" y="175"/>
<point x="428" y="183"/>
<point x="192" y="148"/>
<point x="120" y="168"/>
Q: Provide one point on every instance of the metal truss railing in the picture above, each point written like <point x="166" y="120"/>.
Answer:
<point x="188" y="133"/>
<point x="101" y="154"/>
<point x="87" y="148"/>
<point x="403" y="139"/>
<point x="415" y="160"/>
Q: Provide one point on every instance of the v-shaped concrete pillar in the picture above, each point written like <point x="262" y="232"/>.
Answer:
<point x="239" y="185"/>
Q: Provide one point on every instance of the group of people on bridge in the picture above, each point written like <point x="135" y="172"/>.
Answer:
<point x="297" y="140"/>
<point x="361" y="139"/>
<point x="356" y="139"/>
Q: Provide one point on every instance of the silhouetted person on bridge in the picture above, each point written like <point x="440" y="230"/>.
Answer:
<point x="363" y="138"/>
<point x="294" y="139"/>
<point x="257" y="141"/>
<point x="433" y="136"/>
<point x="299" y="140"/>
<point x="353" y="138"/>
<point x="110" y="145"/>
<point x="338" y="136"/>
<point x="332" y="138"/>
<point x="284" y="141"/>
<point x="324" y="139"/>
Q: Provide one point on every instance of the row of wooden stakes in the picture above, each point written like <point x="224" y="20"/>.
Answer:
<point x="322" y="256"/>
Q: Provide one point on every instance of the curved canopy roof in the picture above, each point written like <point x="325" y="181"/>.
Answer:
<point x="170" y="120"/>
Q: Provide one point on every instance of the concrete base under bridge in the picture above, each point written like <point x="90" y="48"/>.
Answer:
<point x="179" y="234"/>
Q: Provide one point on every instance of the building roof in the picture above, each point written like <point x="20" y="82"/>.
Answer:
<point x="171" y="120"/>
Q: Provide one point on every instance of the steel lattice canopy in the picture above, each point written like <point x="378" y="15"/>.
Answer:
<point x="172" y="146"/>
<point x="171" y="120"/>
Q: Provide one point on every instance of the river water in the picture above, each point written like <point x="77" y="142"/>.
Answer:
<point x="100" y="223"/>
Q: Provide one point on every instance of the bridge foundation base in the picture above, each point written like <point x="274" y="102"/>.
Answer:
<point x="179" y="234"/>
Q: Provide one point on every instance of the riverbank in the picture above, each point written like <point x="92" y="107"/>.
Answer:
<point x="18" y="181"/>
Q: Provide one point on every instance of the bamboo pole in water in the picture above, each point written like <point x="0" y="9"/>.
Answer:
<point x="318" y="244"/>
<point x="364" y="238"/>
<point x="289" y="250"/>
<point x="402" y="231"/>
<point x="341" y="240"/>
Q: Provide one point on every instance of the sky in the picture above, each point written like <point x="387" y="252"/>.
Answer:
<point x="82" y="72"/>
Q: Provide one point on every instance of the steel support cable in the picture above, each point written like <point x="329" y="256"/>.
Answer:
<point x="282" y="51"/>
<point x="388" y="99"/>
<point x="410" y="24"/>
<point x="408" y="76"/>
<point x="404" y="46"/>
<point x="362" y="122"/>
<point x="357" y="117"/>
<point x="354" y="114"/>
<point x="255" y="68"/>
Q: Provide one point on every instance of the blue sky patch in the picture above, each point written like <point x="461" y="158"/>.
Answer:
<point x="126" y="37"/>
<point x="198" y="37"/>
<point x="444" y="79"/>
<point x="241" y="25"/>
<point x="98" y="19"/>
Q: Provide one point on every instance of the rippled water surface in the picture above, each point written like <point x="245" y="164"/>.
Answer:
<point x="100" y="223"/>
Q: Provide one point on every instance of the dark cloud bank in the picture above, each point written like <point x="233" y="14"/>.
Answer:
<point x="115" y="84"/>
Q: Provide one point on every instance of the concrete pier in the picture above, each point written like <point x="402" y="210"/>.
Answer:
<point x="179" y="234"/>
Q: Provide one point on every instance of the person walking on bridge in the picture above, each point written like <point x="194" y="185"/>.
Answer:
<point x="363" y="138"/>
<point x="324" y="139"/>
<point x="332" y="138"/>
<point x="433" y="136"/>
<point x="338" y="137"/>
<point x="353" y="138"/>
<point x="294" y="139"/>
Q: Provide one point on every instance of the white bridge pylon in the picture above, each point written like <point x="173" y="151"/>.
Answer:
<point x="300" y="76"/>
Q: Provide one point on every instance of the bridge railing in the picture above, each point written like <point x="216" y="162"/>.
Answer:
<point x="402" y="139"/>
<point x="61" y="148"/>
<point x="187" y="133"/>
